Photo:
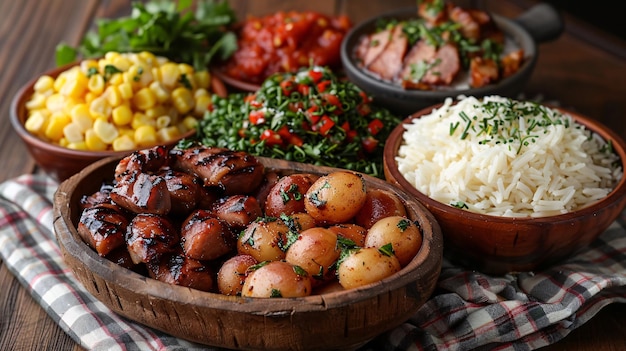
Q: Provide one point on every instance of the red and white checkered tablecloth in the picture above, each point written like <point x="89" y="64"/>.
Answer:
<point x="468" y="310"/>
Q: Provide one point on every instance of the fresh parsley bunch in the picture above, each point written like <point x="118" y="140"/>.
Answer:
<point x="164" y="28"/>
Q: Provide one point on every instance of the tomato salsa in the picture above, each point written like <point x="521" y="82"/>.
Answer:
<point x="285" y="42"/>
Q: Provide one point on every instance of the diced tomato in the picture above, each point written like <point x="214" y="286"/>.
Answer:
<point x="369" y="144"/>
<point x="296" y="106"/>
<point x="312" y="115"/>
<point x="284" y="132"/>
<point x="325" y="125"/>
<point x="315" y="75"/>
<point x="351" y="135"/>
<point x="249" y="98"/>
<point x="256" y="117"/>
<point x="304" y="89"/>
<point x="345" y="126"/>
<point x="287" y="86"/>
<point x="375" y="126"/>
<point x="271" y="138"/>
<point x="364" y="109"/>
<point x="323" y="85"/>
<point x="295" y="140"/>
<point x="366" y="99"/>
<point x="333" y="100"/>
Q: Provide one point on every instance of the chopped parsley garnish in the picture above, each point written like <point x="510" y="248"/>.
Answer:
<point x="387" y="250"/>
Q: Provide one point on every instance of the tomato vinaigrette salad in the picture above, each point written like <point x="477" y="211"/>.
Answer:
<point x="310" y="116"/>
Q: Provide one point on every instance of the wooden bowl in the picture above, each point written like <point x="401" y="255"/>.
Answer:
<point x="59" y="162"/>
<point x="497" y="245"/>
<point x="337" y="320"/>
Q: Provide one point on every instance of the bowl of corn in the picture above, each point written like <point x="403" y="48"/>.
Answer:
<point x="73" y="115"/>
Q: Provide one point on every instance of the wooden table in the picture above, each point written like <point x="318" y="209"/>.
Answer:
<point x="584" y="70"/>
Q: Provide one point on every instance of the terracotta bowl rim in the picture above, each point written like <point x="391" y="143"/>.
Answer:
<point x="618" y="192"/>
<point x="244" y="86"/>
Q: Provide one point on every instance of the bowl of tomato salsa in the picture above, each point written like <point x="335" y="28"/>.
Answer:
<point x="283" y="42"/>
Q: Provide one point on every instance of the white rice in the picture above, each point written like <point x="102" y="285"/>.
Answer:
<point x="512" y="169"/>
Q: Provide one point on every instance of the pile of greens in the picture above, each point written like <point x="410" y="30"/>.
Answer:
<point x="309" y="116"/>
<point x="164" y="28"/>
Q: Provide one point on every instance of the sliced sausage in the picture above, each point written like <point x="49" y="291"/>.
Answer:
<point x="103" y="227"/>
<point x="238" y="210"/>
<point x="142" y="193"/>
<point x="206" y="237"/>
<point x="235" y="172"/>
<point x="149" y="237"/>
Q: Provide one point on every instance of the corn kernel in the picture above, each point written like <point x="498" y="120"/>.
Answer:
<point x="163" y="121"/>
<point x="36" y="122"/>
<point x="170" y="74"/>
<point x="148" y="57"/>
<point x="96" y="84"/>
<point x="140" y="119"/>
<point x="59" y="81"/>
<point x="173" y="112"/>
<point x="94" y="142"/>
<point x="116" y="79"/>
<point x="44" y="83"/>
<point x="37" y="101"/>
<point x="162" y="94"/>
<point x="202" y="79"/>
<point x="113" y="96"/>
<point x="156" y="111"/>
<point x="107" y="132"/>
<point x="200" y="92"/>
<point x="73" y="133"/>
<point x="111" y="55"/>
<point x="122" y="115"/>
<point x="88" y="65"/>
<point x="182" y="98"/>
<point x="81" y="145"/>
<point x="63" y="142"/>
<point x="100" y="108"/>
<point x="127" y="130"/>
<point x="75" y="84"/>
<point x="188" y="123"/>
<point x="124" y="142"/>
<point x="80" y="116"/>
<point x="185" y="68"/>
<point x="144" y="99"/>
<point x="70" y="102"/>
<point x="168" y="134"/>
<point x="139" y="75"/>
<point x="126" y="90"/>
<point x="121" y="62"/>
<point x="54" y="129"/>
<point x="145" y="136"/>
<point x="55" y="103"/>
<point x="202" y="105"/>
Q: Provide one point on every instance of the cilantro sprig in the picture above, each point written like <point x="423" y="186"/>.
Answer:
<point x="165" y="28"/>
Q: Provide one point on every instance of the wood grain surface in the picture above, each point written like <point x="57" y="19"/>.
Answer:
<point x="583" y="70"/>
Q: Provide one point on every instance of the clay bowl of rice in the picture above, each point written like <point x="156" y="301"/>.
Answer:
<point x="514" y="185"/>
